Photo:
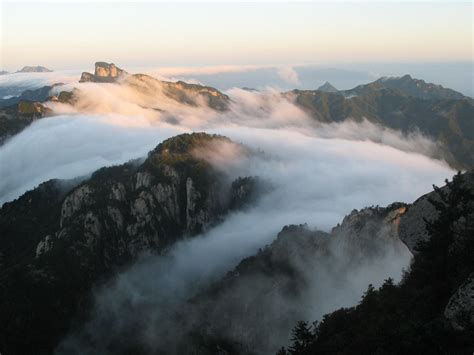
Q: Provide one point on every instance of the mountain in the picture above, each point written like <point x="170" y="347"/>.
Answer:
<point x="3" y="72"/>
<point x="419" y="88"/>
<point x="15" y="118"/>
<point x="430" y="311"/>
<point x="12" y="115"/>
<point x="252" y="309"/>
<point x="327" y="87"/>
<point x="406" y="85"/>
<point x="184" y="93"/>
<point x="65" y="237"/>
<point x="35" y="95"/>
<point x="34" y="69"/>
<point x="17" y="113"/>
<point x="449" y="122"/>
<point x="249" y="310"/>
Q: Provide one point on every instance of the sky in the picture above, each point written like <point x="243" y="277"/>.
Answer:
<point x="70" y="35"/>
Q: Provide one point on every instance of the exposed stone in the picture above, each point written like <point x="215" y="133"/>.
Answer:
<point x="31" y="109"/>
<point x="44" y="246"/>
<point x="103" y="73"/>
<point x="75" y="201"/>
<point x="412" y="226"/>
<point x="460" y="308"/>
<point x="118" y="192"/>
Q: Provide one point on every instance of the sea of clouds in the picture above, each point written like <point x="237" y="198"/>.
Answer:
<point x="319" y="173"/>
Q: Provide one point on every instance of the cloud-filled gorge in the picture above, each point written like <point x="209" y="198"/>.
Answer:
<point x="318" y="173"/>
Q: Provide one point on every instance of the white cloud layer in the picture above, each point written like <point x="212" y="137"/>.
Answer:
<point x="319" y="174"/>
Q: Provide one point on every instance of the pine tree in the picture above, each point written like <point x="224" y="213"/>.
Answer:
<point x="302" y="339"/>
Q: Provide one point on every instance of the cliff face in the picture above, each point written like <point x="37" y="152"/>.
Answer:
<point x="63" y="238"/>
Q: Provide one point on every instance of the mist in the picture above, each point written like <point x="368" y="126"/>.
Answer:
<point x="315" y="181"/>
<point x="318" y="174"/>
<point x="15" y="83"/>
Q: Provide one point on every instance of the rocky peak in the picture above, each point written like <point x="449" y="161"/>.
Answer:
<point x="103" y="69"/>
<point x="103" y="73"/>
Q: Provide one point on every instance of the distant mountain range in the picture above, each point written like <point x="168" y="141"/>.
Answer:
<point x="401" y="103"/>
<point x="29" y="69"/>
<point x="34" y="69"/>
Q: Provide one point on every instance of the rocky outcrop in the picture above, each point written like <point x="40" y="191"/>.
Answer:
<point x="412" y="225"/>
<point x="412" y="228"/>
<point x="460" y="309"/>
<point x="32" y="109"/>
<point x="104" y="73"/>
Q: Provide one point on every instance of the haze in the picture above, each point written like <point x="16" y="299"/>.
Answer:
<point x="73" y="35"/>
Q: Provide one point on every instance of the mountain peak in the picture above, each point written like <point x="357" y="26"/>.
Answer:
<point x="34" y="69"/>
<point x="103" y="73"/>
<point x="327" y="87"/>
<point x="417" y="88"/>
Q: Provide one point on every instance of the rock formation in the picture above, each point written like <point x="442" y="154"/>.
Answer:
<point x="460" y="309"/>
<point x="104" y="73"/>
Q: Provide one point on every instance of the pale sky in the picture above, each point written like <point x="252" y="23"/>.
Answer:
<point x="74" y="35"/>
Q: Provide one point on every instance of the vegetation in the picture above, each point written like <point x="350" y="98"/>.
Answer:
<point x="447" y="121"/>
<point x="408" y="318"/>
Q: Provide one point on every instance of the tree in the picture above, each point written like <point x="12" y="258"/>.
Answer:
<point x="302" y="339"/>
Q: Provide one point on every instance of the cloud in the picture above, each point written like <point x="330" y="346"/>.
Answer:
<point x="14" y="84"/>
<point x="315" y="180"/>
<point x="109" y="117"/>
<point x="73" y="145"/>
<point x="289" y="75"/>
<point x="205" y="70"/>
<point x="319" y="173"/>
